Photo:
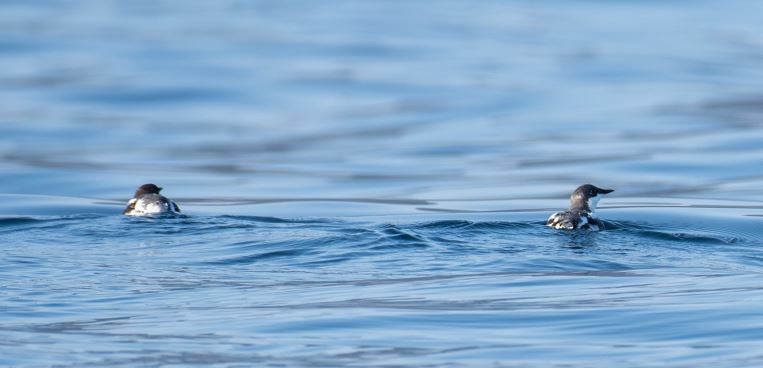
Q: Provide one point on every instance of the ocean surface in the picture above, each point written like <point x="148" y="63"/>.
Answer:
<point x="365" y="183"/>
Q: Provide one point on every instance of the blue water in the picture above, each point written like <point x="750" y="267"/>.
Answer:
<point x="366" y="183"/>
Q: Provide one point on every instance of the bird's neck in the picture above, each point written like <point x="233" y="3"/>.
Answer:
<point x="580" y="204"/>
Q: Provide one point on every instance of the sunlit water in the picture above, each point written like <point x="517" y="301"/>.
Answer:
<point x="366" y="183"/>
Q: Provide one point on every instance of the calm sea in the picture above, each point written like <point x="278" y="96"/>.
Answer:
<point x="365" y="183"/>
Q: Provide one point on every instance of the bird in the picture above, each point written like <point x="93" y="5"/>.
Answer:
<point x="581" y="214"/>
<point x="148" y="202"/>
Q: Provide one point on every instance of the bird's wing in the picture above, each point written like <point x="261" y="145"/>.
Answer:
<point x="130" y="206"/>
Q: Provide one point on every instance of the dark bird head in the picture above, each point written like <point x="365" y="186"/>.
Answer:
<point x="587" y="196"/>
<point x="147" y="189"/>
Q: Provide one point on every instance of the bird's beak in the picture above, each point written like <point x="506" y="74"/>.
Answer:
<point x="160" y="189"/>
<point x="606" y="191"/>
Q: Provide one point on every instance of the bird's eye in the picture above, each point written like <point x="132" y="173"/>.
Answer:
<point x="593" y="192"/>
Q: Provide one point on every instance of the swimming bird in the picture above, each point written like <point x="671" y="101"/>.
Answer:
<point x="580" y="215"/>
<point x="147" y="202"/>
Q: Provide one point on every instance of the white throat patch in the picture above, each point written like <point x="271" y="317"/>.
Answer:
<point x="593" y="202"/>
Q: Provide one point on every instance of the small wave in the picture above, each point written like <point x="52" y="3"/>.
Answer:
<point x="395" y="233"/>
<point x="254" y="258"/>
<point x="695" y="236"/>
<point x="446" y="224"/>
<point x="474" y="225"/>
<point x="13" y="221"/>
<point x="274" y="220"/>
<point x="398" y="246"/>
<point x="24" y="221"/>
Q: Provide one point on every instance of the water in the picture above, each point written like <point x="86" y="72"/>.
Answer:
<point x="365" y="183"/>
